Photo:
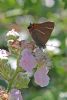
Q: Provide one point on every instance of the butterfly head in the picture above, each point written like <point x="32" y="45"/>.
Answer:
<point x="31" y="26"/>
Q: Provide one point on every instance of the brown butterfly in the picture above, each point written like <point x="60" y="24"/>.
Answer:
<point x="41" y="32"/>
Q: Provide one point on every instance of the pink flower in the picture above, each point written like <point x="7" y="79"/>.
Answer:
<point x="15" y="95"/>
<point x="27" y="60"/>
<point x="41" y="78"/>
<point x="42" y="57"/>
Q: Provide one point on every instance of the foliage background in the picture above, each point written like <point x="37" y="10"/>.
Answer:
<point x="18" y="14"/>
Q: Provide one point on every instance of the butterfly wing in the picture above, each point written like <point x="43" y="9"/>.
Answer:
<point x="46" y="25"/>
<point x="39" y="37"/>
<point x="41" y="33"/>
<point x="34" y="34"/>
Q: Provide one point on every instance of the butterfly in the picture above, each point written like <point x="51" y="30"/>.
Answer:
<point x="41" y="32"/>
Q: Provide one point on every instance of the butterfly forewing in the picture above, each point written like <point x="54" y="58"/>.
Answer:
<point x="45" y="24"/>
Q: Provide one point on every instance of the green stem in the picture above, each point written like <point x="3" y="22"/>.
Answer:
<point x="12" y="80"/>
<point x="14" y="76"/>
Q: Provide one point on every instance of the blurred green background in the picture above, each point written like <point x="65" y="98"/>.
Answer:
<point x="19" y="14"/>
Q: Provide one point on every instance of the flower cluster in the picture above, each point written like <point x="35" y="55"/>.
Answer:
<point x="35" y="62"/>
<point x="31" y="61"/>
<point x="12" y="35"/>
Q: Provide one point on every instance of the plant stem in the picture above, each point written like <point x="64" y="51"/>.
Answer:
<point x="14" y="76"/>
<point x="12" y="80"/>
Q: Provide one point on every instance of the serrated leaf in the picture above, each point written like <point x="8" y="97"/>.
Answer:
<point x="5" y="70"/>
<point x="21" y="81"/>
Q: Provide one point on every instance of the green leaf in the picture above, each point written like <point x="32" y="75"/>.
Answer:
<point x="3" y="83"/>
<point x="5" y="70"/>
<point x="21" y="81"/>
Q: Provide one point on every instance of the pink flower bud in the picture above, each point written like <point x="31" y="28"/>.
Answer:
<point x="15" y="95"/>
<point x="41" y="78"/>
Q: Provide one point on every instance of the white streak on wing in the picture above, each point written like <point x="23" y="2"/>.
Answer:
<point x="40" y="31"/>
<point x="48" y="28"/>
<point x="43" y="32"/>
